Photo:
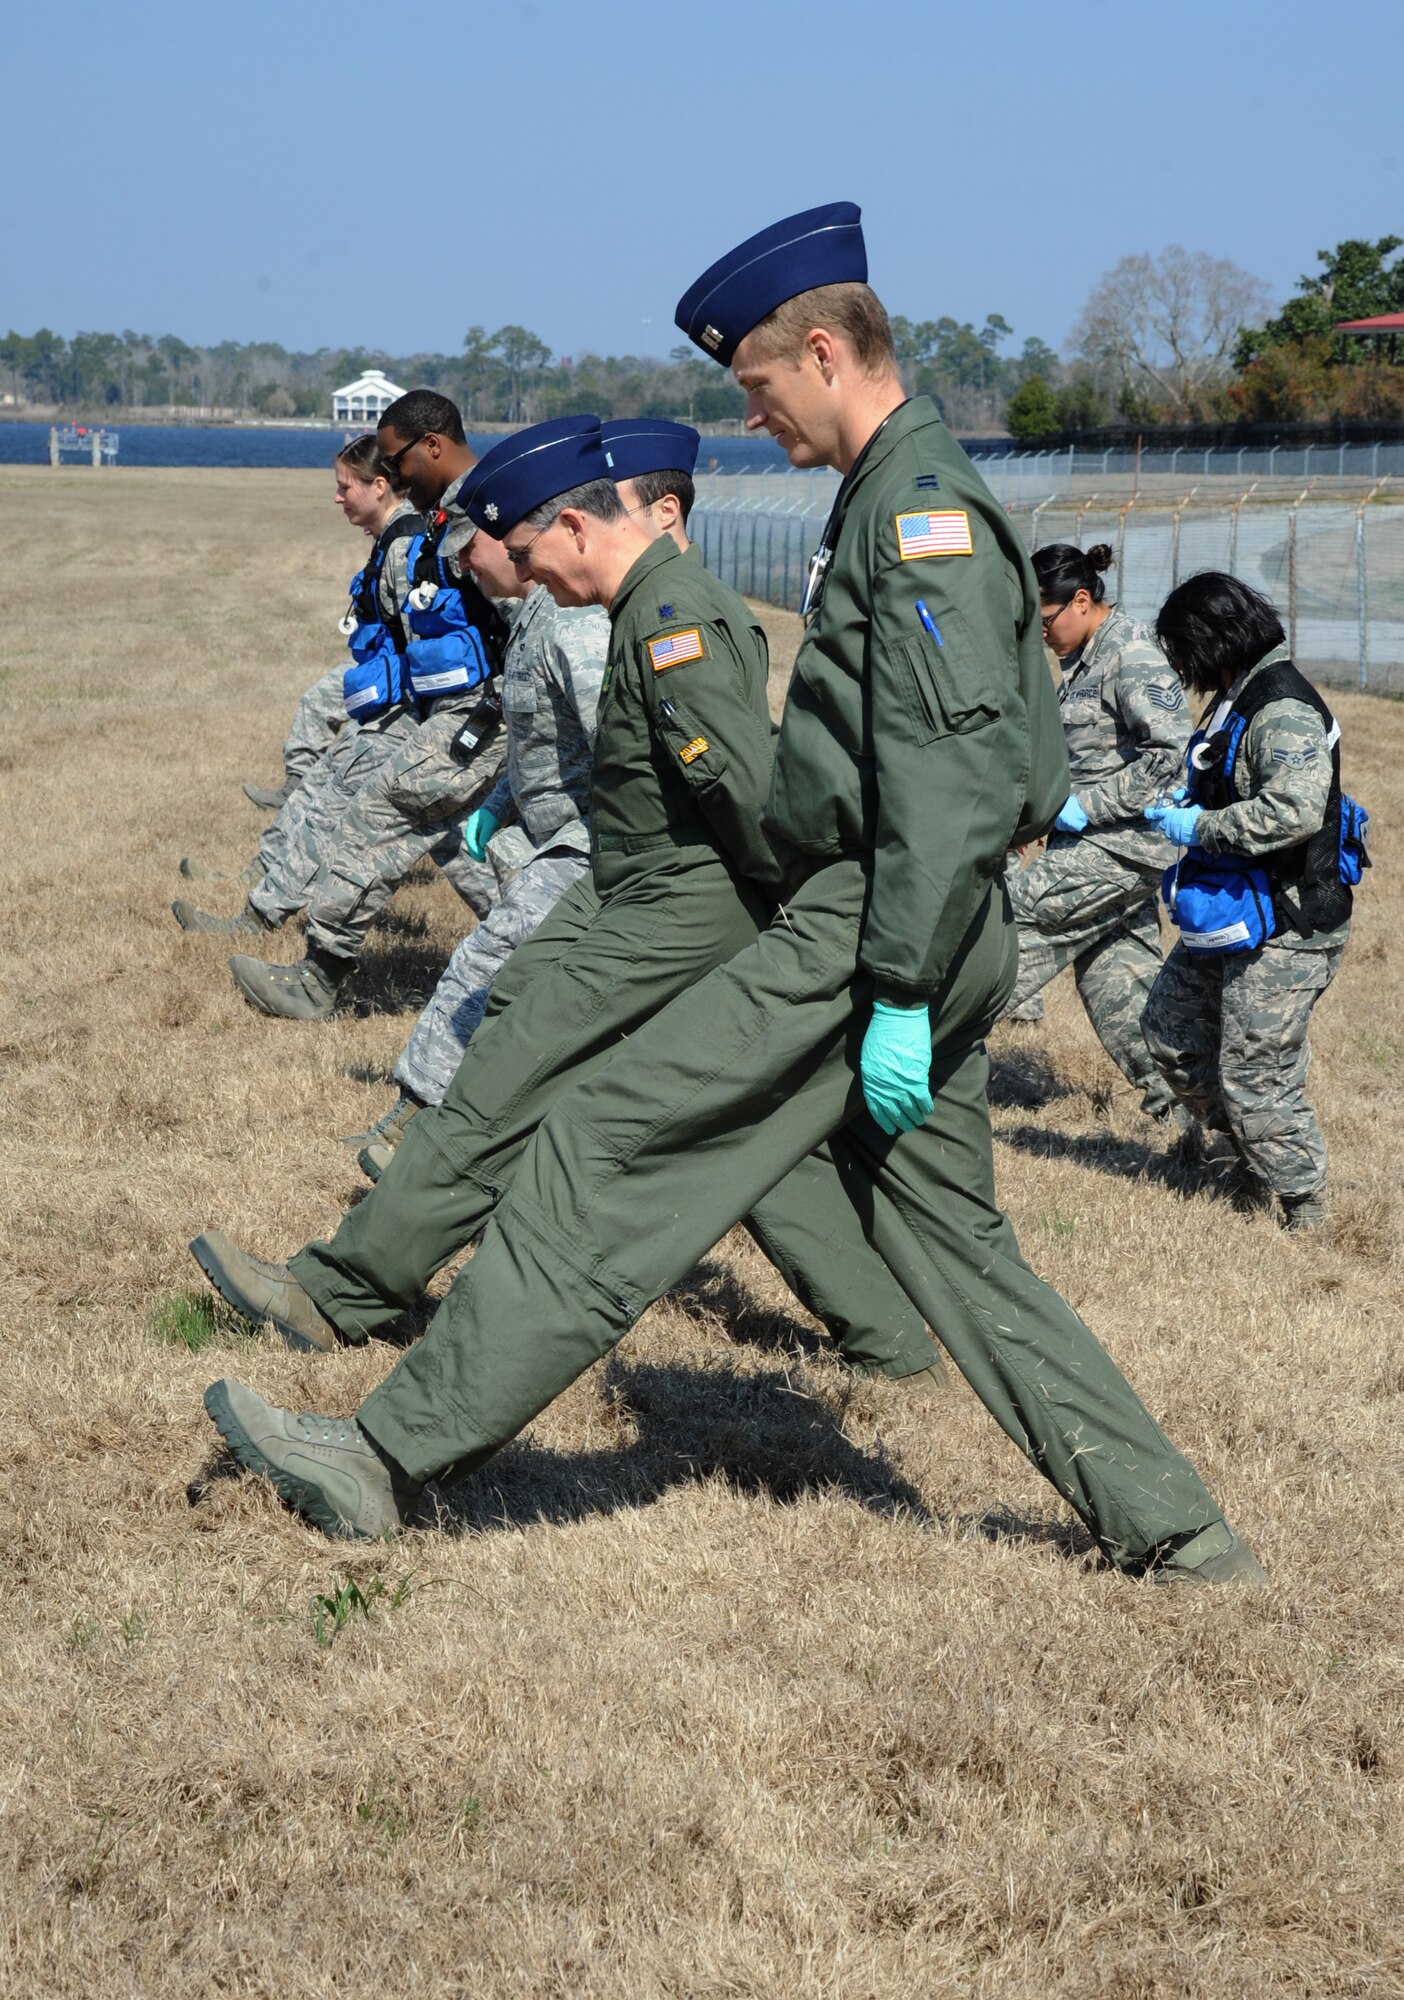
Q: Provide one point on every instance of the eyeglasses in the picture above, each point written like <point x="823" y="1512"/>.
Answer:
<point x="390" y="460"/>
<point x="1050" y="618"/>
<point x="518" y="556"/>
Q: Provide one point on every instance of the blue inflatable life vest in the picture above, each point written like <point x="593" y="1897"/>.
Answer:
<point x="1226" y="902"/>
<point x="456" y="636"/>
<point x="371" y="685"/>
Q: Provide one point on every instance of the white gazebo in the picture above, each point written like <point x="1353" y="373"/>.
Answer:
<point x="365" y="400"/>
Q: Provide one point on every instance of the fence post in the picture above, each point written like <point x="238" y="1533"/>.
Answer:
<point x="1361" y="599"/>
<point x="1292" y="581"/>
<point x="1175" y="547"/>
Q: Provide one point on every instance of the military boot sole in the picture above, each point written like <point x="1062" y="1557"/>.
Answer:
<point x="215" y="1265"/>
<point x="268" y="797"/>
<point x="201" y="923"/>
<point x="277" y="991"/>
<point x="374" y="1159"/>
<point x="196" y="871"/>
<point x="1218" y="1555"/>
<point x="304" y="1496"/>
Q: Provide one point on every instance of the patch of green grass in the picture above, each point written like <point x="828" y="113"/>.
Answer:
<point x="193" y="1320"/>
<point x="381" y="1814"/>
<point x="333" y="1609"/>
<point x="470" y="1815"/>
<point x="81" y="1633"/>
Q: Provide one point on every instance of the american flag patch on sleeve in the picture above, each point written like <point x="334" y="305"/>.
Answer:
<point x="675" y="649"/>
<point x="946" y="534"/>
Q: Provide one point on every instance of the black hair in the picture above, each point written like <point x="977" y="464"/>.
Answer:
<point x="1214" y="628"/>
<point x="652" y="486"/>
<point x="1063" y="571"/>
<point x="422" y="411"/>
<point x="362" y="457"/>
<point x="599" y="497"/>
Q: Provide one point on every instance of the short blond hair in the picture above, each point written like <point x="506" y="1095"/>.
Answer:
<point x="850" y="310"/>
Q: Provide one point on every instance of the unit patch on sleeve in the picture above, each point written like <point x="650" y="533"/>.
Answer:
<point x="675" y="649"/>
<point x="690" y="752"/>
<point x="945" y="534"/>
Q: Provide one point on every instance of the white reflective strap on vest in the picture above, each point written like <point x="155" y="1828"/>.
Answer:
<point x="450" y="677"/>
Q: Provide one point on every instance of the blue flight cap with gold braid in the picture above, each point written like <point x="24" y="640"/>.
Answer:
<point x="820" y="246"/>
<point x="531" y="467"/>
<point x="636" y="445"/>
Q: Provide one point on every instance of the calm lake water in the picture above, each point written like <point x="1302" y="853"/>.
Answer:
<point x="227" y="444"/>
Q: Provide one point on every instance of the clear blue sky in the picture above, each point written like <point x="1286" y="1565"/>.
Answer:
<point x="313" y="174"/>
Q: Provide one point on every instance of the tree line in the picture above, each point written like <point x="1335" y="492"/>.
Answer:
<point x="1178" y="338"/>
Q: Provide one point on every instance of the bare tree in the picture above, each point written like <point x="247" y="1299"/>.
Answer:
<point x="1168" y="324"/>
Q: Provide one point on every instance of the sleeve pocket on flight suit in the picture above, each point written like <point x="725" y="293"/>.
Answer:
<point x="944" y="688"/>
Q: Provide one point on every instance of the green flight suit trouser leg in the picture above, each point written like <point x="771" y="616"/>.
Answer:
<point x="639" y="1168"/>
<point x="592" y="975"/>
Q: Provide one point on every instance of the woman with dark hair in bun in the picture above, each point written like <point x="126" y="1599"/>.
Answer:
<point x="1268" y="847"/>
<point x="1089" y="901"/>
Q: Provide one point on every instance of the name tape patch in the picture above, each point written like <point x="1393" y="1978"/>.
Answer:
<point x="675" y="649"/>
<point x="945" y="534"/>
<point x="690" y="752"/>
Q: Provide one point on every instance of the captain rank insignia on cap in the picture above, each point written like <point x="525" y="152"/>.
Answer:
<point x="946" y="534"/>
<point x="677" y="648"/>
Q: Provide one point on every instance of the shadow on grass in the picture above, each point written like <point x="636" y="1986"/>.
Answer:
<point x="756" y="1433"/>
<point x="1132" y="1159"/>
<point x="1023" y="1080"/>
<point x="711" y="1289"/>
<point x="398" y="977"/>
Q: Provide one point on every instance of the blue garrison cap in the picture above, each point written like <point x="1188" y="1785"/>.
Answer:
<point x="821" y="246"/>
<point x="635" y="445"/>
<point x="529" y="468"/>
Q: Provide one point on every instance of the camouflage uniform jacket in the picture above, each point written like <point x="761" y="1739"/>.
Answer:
<point x="392" y="585"/>
<point x="551" y="679"/>
<point x="1127" y="726"/>
<point x="1282" y="774"/>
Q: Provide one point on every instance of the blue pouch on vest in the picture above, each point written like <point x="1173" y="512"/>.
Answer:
<point x="1219" y="905"/>
<point x="371" y="684"/>
<point x="1355" y="840"/>
<point x="446" y="652"/>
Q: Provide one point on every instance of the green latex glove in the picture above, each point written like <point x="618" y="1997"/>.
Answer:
<point x="478" y="829"/>
<point x="896" y="1067"/>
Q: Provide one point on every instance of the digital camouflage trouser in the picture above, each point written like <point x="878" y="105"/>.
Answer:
<point x="643" y="1164"/>
<point x="413" y="804"/>
<point x="318" y="718"/>
<point x="449" y="1022"/>
<point x="309" y="824"/>
<point x="1078" y="905"/>
<point x="1229" y="1032"/>
<point x="594" y="973"/>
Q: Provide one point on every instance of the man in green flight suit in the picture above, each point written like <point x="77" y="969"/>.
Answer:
<point x="681" y="876"/>
<point x="920" y="742"/>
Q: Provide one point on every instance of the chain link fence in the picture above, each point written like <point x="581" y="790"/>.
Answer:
<point x="1333" y="566"/>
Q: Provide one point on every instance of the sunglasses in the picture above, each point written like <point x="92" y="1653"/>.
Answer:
<point x="391" y="459"/>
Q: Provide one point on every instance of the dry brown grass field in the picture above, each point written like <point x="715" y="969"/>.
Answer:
<point x="728" y="1678"/>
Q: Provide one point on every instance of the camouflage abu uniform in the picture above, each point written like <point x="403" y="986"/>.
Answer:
<point x="1090" y="900"/>
<point x="412" y="805"/>
<point x="550" y="689"/>
<point x="305" y="829"/>
<point x="1230" y="1032"/>
<point x="318" y="719"/>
